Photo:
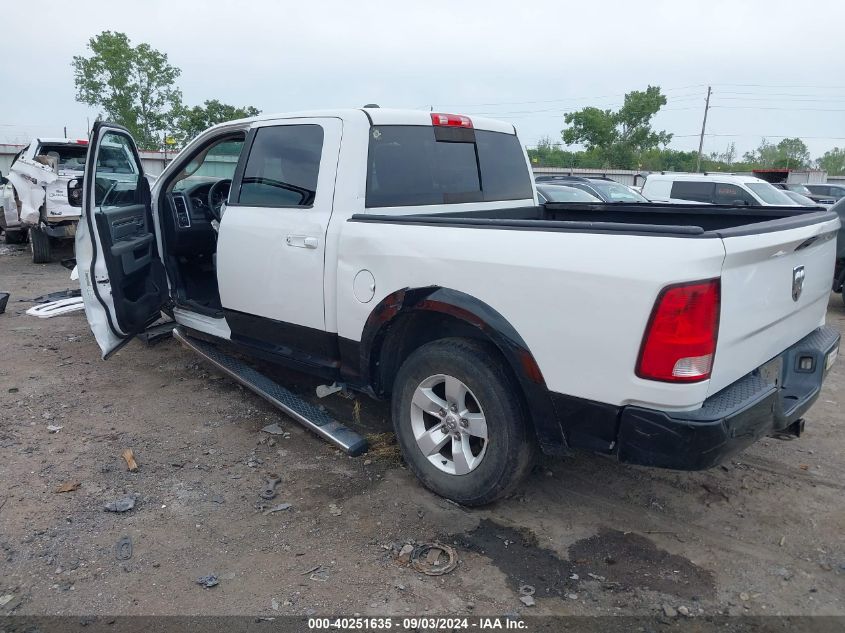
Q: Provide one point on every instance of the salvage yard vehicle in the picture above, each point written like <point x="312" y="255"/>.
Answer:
<point x="562" y="193"/>
<point x="801" y="189"/>
<point x="726" y="189"/>
<point x="602" y="188"/>
<point x="35" y="198"/>
<point x="403" y="254"/>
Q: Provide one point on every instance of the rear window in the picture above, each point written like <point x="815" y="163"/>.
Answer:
<point x="70" y="157"/>
<point x="408" y="166"/>
<point x="696" y="191"/>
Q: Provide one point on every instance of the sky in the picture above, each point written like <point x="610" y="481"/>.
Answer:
<point x="776" y="68"/>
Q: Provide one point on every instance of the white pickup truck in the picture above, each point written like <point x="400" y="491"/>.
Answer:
<point x="404" y="254"/>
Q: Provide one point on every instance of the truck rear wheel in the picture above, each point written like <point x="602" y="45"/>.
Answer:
<point x="460" y="422"/>
<point x="39" y="244"/>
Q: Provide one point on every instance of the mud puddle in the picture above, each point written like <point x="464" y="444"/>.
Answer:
<point x="613" y="559"/>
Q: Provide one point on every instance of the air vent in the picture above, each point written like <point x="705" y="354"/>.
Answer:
<point x="183" y="218"/>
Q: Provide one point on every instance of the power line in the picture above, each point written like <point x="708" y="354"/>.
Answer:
<point x="576" y="98"/>
<point x="740" y="107"/>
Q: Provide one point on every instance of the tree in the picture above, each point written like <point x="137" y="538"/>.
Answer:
<point x="832" y="161"/>
<point x="190" y="122"/>
<point x="134" y="85"/>
<point x="620" y="137"/>
<point x="790" y="153"/>
<point x="793" y="153"/>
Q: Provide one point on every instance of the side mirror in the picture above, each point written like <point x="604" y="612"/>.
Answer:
<point x="74" y="192"/>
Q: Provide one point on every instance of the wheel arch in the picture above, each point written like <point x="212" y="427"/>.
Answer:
<point x="411" y="317"/>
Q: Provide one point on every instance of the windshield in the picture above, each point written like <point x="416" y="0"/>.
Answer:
<point x="70" y="157"/>
<point x="769" y="194"/>
<point x="614" y="192"/>
<point x="804" y="201"/>
<point x="567" y="194"/>
<point x="218" y="163"/>
<point x="799" y="189"/>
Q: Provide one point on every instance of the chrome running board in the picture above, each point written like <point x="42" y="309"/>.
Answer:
<point x="303" y="412"/>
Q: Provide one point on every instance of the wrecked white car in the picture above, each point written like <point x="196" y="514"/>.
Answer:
<point x="34" y="197"/>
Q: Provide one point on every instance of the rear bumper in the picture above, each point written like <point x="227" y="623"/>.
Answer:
<point x="63" y="229"/>
<point x="767" y="400"/>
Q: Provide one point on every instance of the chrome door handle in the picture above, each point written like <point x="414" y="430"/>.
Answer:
<point x="301" y="241"/>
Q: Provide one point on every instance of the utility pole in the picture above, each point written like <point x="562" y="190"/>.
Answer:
<point x="703" y="126"/>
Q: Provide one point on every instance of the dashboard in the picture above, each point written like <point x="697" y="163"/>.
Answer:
<point x="190" y="218"/>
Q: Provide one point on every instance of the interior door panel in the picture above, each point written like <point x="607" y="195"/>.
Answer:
<point x="122" y="213"/>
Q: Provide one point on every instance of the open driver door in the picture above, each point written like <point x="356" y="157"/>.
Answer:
<point x="122" y="277"/>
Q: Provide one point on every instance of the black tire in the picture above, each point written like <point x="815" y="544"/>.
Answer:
<point x="39" y="244"/>
<point x="13" y="236"/>
<point x="511" y="445"/>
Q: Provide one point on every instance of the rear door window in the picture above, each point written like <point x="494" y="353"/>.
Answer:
<point x="282" y="167"/>
<point x="407" y="165"/>
<point x="695" y="191"/>
<point x="727" y="193"/>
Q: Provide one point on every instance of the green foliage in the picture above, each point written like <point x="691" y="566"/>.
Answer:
<point x="191" y="122"/>
<point x="618" y="137"/>
<point x="134" y="85"/>
<point x="832" y="161"/>
<point x="791" y="153"/>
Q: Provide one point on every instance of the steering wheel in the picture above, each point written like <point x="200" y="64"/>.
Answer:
<point x="217" y="196"/>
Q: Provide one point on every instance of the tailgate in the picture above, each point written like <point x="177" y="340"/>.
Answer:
<point x="57" y="206"/>
<point x="766" y="305"/>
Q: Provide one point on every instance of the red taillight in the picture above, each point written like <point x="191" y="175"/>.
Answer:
<point x="450" y="120"/>
<point x="82" y="141"/>
<point x="680" y="339"/>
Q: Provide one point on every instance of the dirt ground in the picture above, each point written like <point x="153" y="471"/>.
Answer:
<point x="762" y="534"/>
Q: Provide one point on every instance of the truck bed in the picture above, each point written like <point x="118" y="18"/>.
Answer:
<point x="654" y="218"/>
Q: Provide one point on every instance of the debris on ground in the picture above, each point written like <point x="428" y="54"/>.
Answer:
<point x="405" y="554"/>
<point x="528" y="601"/>
<point x="56" y="308"/>
<point x="120" y="505"/>
<point x="321" y="574"/>
<point x="54" y="428"/>
<point x="4" y="299"/>
<point x="269" y="489"/>
<point x="208" y="581"/>
<point x="129" y="455"/>
<point x="54" y="296"/>
<point x="434" y="559"/>
<point x="123" y="548"/>
<point x="274" y="604"/>
<point x="526" y="590"/>
<point x="273" y="429"/>
<point x="68" y="486"/>
<point x="279" y="508"/>
<point x="383" y="447"/>
<point x="670" y="611"/>
<point x="334" y="510"/>
<point x="684" y="611"/>
<point x="4" y="600"/>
